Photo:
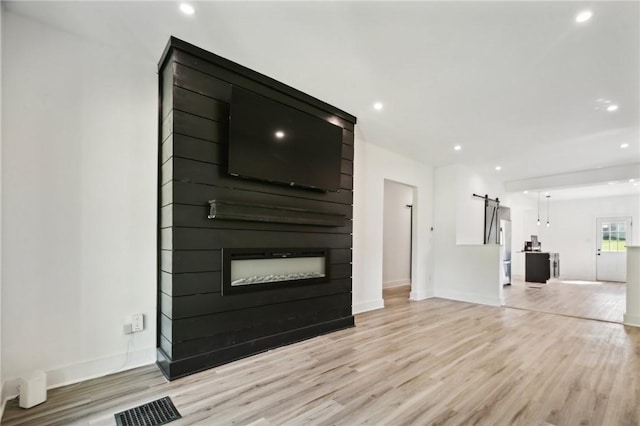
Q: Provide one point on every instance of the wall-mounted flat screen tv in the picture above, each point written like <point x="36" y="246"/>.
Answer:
<point x="274" y="142"/>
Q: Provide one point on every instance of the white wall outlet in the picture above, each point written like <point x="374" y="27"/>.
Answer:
<point x="137" y="322"/>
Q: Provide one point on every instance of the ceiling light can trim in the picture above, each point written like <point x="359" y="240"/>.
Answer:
<point x="584" y="16"/>
<point x="187" y="9"/>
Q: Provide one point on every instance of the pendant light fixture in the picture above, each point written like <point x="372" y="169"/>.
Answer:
<point x="548" y="224"/>
<point x="538" y="222"/>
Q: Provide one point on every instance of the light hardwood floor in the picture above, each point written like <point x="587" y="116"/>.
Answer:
<point x="431" y="362"/>
<point x="396" y="295"/>
<point x="605" y="301"/>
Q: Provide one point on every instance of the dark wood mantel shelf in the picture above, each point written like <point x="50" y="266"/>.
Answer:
<point x="261" y="213"/>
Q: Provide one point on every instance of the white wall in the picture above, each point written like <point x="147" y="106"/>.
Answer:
<point x="79" y="204"/>
<point x="469" y="212"/>
<point x="573" y="230"/>
<point x="632" y="311"/>
<point x="468" y="272"/>
<point x="372" y="166"/>
<point x="396" y="242"/>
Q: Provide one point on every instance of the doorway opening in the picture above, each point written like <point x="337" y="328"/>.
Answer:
<point x="397" y="242"/>
<point x="601" y="296"/>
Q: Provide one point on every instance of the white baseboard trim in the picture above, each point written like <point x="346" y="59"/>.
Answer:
<point x="396" y="283"/>
<point x="370" y="305"/>
<point x="86" y="370"/>
<point x="575" y="277"/>
<point x="631" y="320"/>
<point x="468" y="297"/>
<point x="414" y="295"/>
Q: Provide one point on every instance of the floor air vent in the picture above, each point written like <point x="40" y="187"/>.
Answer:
<point x="154" y="413"/>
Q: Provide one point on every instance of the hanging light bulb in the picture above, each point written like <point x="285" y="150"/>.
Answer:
<point x="548" y="224"/>
<point x="538" y="222"/>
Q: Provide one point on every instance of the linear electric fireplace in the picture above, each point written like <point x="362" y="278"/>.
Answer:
<point x="267" y="269"/>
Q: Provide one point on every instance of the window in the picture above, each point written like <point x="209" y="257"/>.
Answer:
<point x="614" y="237"/>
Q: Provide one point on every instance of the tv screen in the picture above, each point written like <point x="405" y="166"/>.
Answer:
<point x="277" y="143"/>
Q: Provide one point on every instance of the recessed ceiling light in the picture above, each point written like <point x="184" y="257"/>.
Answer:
<point x="187" y="9"/>
<point x="624" y="145"/>
<point x="584" y="16"/>
<point x="635" y="184"/>
<point x="632" y="180"/>
<point x="525" y="192"/>
<point x="457" y="147"/>
<point x="612" y="107"/>
<point x="498" y="168"/>
<point x="378" y="106"/>
<point x="279" y="134"/>
<point x="546" y="194"/>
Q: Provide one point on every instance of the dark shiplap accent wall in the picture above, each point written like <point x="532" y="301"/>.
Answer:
<point x="198" y="327"/>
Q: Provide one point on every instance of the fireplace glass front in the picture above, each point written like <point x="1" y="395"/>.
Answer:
<point x="249" y="269"/>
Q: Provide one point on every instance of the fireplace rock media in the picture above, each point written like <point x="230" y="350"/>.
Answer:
<point x="252" y="269"/>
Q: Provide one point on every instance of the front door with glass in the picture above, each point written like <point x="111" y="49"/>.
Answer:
<point x="613" y="236"/>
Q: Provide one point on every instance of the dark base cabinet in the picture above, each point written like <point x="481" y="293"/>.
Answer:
<point x="206" y="215"/>
<point x="537" y="268"/>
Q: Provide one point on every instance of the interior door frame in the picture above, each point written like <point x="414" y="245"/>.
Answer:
<point x="412" y="234"/>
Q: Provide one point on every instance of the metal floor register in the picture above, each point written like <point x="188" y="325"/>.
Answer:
<point x="159" y="412"/>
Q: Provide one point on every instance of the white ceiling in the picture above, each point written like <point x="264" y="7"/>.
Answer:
<point x="515" y="83"/>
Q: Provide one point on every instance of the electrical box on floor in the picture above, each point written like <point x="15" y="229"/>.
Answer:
<point x="33" y="389"/>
